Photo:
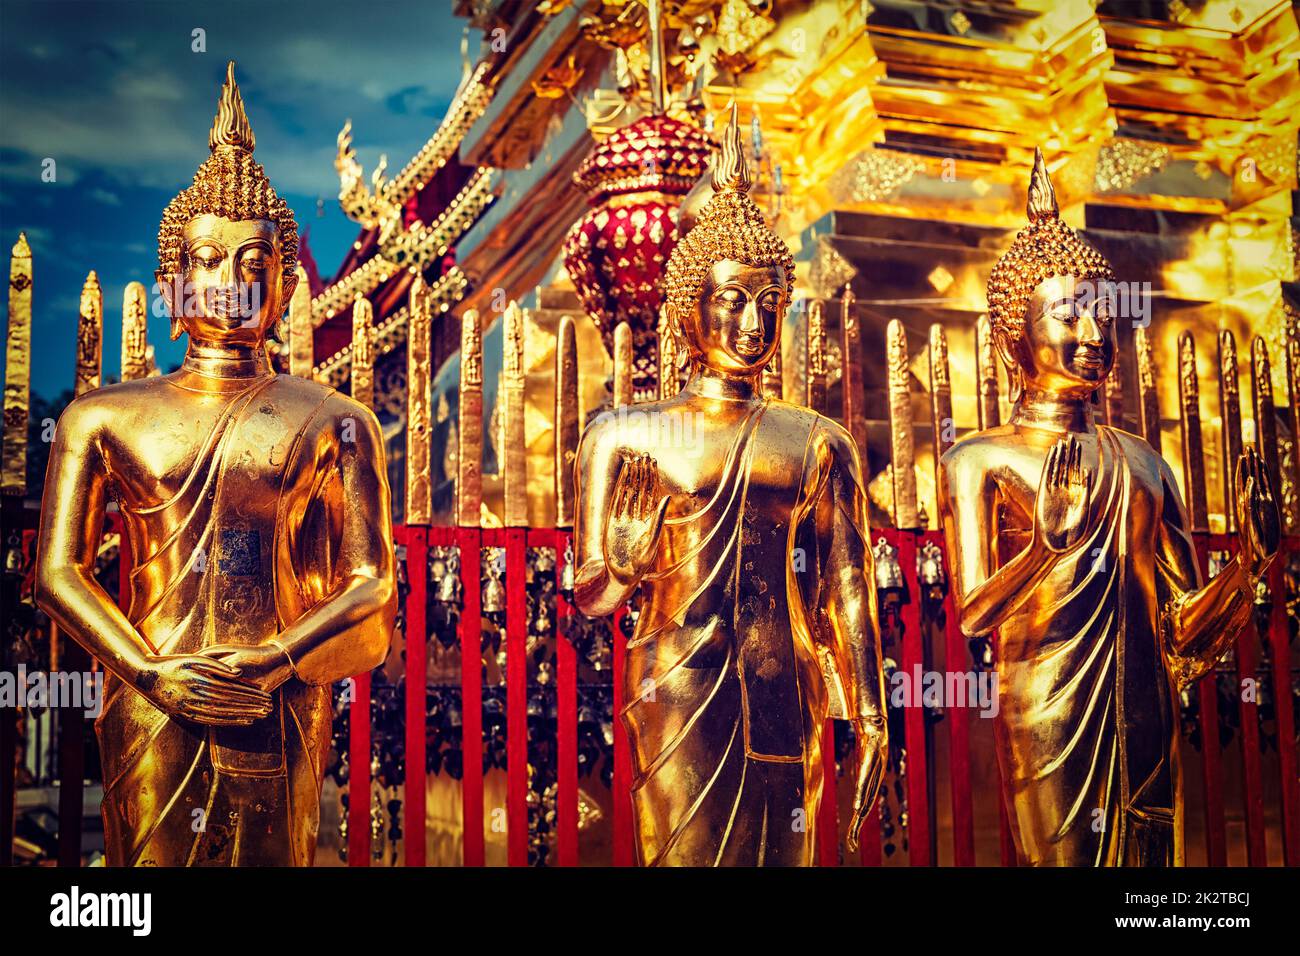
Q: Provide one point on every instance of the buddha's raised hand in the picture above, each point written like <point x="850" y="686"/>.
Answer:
<point x="1259" y="529"/>
<point x="1064" y="489"/>
<point x="635" y="519"/>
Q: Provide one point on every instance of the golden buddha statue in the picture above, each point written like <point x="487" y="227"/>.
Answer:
<point x="742" y="520"/>
<point x="257" y="510"/>
<point x="1070" y="539"/>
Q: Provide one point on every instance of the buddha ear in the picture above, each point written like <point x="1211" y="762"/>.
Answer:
<point x="1003" y="345"/>
<point x="167" y="288"/>
<point x="288" y="283"/>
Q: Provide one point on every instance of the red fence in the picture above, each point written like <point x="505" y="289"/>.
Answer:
<point x="921" y="791"/>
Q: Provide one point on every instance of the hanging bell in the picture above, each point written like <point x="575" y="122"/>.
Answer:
<point x="446" y="571"/>
<point x="494" y="595"/>
<point x="566" y="575"/>
<point x="14" y="555"/>
<point x="929" y="566"/>
<point x="494" y="591"/>
<point x="889" y="575"/>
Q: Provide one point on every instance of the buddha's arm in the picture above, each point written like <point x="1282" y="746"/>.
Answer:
<point x="968" y="505"/>
<point x="595" y="591"/>
<point x="1198" y="623"/>
<point x="846" y="591"/>
<point x="348" y="632"/>
<point x="72" y="516"/>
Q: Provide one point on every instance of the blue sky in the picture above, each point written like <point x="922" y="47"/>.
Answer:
<point x="114" y="93"/>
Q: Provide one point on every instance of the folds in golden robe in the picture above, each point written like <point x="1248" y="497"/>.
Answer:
<point x="729" y="678"/>
<point x="241" y="547"/>
<point x="1087" y="726"/>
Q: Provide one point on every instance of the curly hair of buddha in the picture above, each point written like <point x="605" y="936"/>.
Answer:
<point x="730" y="226"/>
<point x="230" y="183"/>
<point x="1045" y="249"/>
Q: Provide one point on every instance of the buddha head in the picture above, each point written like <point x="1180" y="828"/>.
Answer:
<point x="729" y="279"/>
<point x="1052" y="302"/>
<point x="227" y="245"/>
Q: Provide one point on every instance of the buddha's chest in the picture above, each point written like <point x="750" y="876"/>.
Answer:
<point x="199" y="444"/>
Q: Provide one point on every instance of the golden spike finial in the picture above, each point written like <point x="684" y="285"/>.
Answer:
<point x="1042" y="195"/>
<point x="731" y="172"/>
<point x="21" y="248"/>
<point x="231" y="127"/>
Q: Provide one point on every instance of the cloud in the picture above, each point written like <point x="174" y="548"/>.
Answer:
<point x="113" y="93"/>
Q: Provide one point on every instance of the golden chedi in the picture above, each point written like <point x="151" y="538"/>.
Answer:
<point x="1070" y="540"/>
<point x="742" y="523"/>
<point x="257" y="510"/>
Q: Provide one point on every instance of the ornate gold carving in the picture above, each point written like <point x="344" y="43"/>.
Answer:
<point x="623" y="365"/>
<point x="941" y="420"/>
<point x="1230" y="416"/>
<point x="419" y="405"/>
<point x="514" y="459"/>
<point x="363" y="352"/>
<point x="1148" y="396"/>
<point x="443" y="295"/>
<point x="469" y="431"/>
<point x="902" y="439"/>
<point x="874" y="175"/>
<point x="135" y="333"/>
<point x="567" y="419"/>
<point x="1266" y="437"/>
<point x="1193" y="448"/>
<point x="90" y="337"/>
<point x="1122" y="163"/>
<point x="302" y="333"/>
<point x="986" y="362"/>
<point x="817" y="369"/>
<point x="18" y="370"/>
<point x="851" y="377"/>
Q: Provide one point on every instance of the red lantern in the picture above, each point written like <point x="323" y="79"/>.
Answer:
<point x="617" y="252"/>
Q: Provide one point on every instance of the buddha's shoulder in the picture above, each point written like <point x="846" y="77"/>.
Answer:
<point x="1138" y="452"/>
<point x="976" y="450"/>
<point x="110" y="402"/>
<point x="304" y="389"/>
<point x="777" y="411"/>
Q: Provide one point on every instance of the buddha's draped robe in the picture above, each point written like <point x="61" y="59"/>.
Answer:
<point x="729" y="678"/>
<point x="258" y="507"/>
<point x="1088" y="720"/>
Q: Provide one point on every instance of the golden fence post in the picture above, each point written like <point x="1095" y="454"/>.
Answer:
<point x="1148" y="396"/>
<point x="18" y="369"/>
<point x="514" y="459"/>
<point x="986" y="364"/>
<point x="622" y="364"/>
<point x="851" y="377"/>
<point x="902" y="441"/>
<point x="301" y="331"/>
<point x="469" y="430"/>
<point x="90" y="337"/>
<point x="1193" y="449"/>
<point x="567" y="420"/>
<point x="1230" y="416"/>
<point x="419" y="399"/>
<point x="363" y="352"/>
<point x="817" y="357"/>
<point x="135" y="333"/>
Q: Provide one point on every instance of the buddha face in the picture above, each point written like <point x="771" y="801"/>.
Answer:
<point x="233" y="286"/>
<point x="738" y="317"/>
<point x="1069" y="339"/>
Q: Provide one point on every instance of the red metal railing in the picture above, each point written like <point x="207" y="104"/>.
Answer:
<point x="832" y="819"/>
<point x="922" y="840"/>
